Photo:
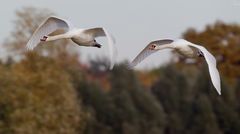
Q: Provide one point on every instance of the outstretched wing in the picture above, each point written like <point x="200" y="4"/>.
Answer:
<point x="99" y="32"/>
<point x="211" y="61"/>
<point x="48" y="26"/>
<point x="147" y="51"/>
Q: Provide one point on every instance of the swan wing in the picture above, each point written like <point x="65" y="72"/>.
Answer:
<point x="147" y="52"/>
<point x="50" y="25"/>
<point x="99" y="32"/>
<point x="211" y="61"/>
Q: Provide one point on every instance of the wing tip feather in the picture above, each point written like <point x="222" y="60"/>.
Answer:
<point x="219" y="91"/>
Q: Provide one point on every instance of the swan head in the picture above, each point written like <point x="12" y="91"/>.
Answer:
<point x="96" y="44"/>
<point x="200" y="53"/>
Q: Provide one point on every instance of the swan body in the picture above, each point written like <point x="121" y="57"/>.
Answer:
<point x="82" y="37"/>
<point x="186" y="49"/>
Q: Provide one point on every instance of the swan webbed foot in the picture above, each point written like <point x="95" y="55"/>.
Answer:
<point x="44" y="38"/>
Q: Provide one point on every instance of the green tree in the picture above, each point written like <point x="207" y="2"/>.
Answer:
<point x="173" y="92"/>
<point x="203" y="118"/>
<point x="138" y="110"/>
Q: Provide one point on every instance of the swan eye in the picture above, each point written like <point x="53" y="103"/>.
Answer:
<point x="153" y="46"/>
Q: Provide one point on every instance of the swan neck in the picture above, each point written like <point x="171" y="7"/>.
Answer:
<point x="169" y="46"/>
<point x="56" y="37"/>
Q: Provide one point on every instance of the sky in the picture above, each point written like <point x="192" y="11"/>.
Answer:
<point x="133" y="23"/>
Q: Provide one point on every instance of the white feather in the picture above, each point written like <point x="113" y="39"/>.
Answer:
<point x="48" y="26"/>
<point x="211" y="61"/>
<point x="98" y="32"/>
<point x="182" y="46"/>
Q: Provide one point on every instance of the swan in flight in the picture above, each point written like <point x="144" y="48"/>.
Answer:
<point x="186" y="49"/>
<point x="82" y="37"/>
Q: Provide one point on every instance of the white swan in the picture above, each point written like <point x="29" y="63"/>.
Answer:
<point x="82" y="37"/>
<point x="185" y="48"/>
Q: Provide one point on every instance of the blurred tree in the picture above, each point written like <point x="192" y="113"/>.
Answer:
<point x="227" y="116"/>
<point x="98" y="72"/>
<point x="139" y="111"/>
<point x="147" y="78"/>
<point x="99" y="65"/>
<point x="203" y="117"/>
<point x="37" y="97"/>
<point x="125" y="109"/>
<point x="225" y="108"/>
<point x="99" y="107"/>
<point x="43" y="87"/>
<point x="196" y="108"/>
<point x="237" y="93"/>
<point x="172" y="91"/>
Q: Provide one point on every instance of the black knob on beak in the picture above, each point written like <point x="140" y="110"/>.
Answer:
<point x="98" y="45"/>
